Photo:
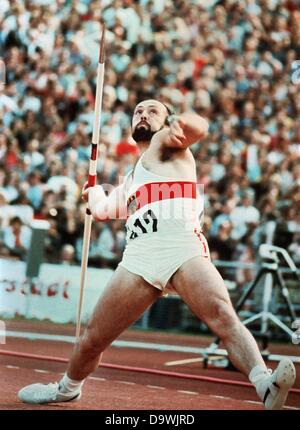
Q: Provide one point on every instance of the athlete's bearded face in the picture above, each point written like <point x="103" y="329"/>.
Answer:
<point x="148" y="118"/>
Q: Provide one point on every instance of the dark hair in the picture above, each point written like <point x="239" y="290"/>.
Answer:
<point x="169" y="109"/>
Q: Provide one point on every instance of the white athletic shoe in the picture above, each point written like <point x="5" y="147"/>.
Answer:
<point x="273" y="388"/>
<point x="41" y="393"/>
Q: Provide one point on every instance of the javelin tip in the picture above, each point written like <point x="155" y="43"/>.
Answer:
<point x="102" y="46"/>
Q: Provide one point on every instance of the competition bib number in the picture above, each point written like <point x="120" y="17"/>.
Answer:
<point x="145" y="224"/>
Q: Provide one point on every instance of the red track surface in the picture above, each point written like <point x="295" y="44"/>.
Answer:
<point x="111" y="389"/>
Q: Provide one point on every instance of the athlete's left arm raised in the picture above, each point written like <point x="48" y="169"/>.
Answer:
<point x="184" y="130"/>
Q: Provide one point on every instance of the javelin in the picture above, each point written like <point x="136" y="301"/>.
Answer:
<point x="92" y="175"/>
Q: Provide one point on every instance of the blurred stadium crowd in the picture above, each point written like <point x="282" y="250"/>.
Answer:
<point x="228" y="60"/>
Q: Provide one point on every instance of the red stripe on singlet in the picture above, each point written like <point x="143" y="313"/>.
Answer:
<point x="157" y="191"/>
<point x="198" y="234"/>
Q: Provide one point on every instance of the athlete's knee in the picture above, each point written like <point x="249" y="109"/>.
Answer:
<point x="222" y="317"/>
<point x="91" y="343"/>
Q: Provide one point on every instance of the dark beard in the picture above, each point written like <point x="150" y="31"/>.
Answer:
<point x="142" y="134"/>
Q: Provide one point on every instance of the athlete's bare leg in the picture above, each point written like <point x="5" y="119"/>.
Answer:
<point x="125" y="298"/>
<point x="202" y="288"/>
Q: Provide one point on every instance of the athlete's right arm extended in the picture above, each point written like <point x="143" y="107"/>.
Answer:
<point x="103" y="207"/>
<point x="184" y="130"/>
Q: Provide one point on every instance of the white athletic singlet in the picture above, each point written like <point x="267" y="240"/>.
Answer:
<point x="163" y="225"/>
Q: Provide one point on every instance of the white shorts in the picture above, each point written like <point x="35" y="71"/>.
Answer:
<point x="156" y="257"/>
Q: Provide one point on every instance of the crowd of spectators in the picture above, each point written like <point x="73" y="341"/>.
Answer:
<point x="230" y="61"/>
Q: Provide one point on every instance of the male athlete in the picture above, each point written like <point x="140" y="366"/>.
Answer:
<point x="165" y="250"/>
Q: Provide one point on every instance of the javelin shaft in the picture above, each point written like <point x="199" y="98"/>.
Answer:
<point x="96" y="128"/>
<point x="92" y="177"/>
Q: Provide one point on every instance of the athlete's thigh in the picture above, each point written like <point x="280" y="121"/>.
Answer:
<point x="124" y="299"/>
<point x="201" y="286"/>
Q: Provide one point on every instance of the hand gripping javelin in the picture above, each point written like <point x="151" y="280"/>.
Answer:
<point x="92" y="175"/>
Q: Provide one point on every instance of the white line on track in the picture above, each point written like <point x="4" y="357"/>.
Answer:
<point x="117" y="343"/>
<point x="40" y="371"/>
<point x="220" y="397"/>
<point x="126" y="382"/>
<point x="156" y="387"/>
<point x="253" y="402"/>
<point x="187" y="392"/>
<point x="95" y="378"/>
<point x="12" y="367"/>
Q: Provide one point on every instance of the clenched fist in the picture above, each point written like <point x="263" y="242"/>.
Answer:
<point x="176" y="136"/>
<point x="97" y="189"/>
